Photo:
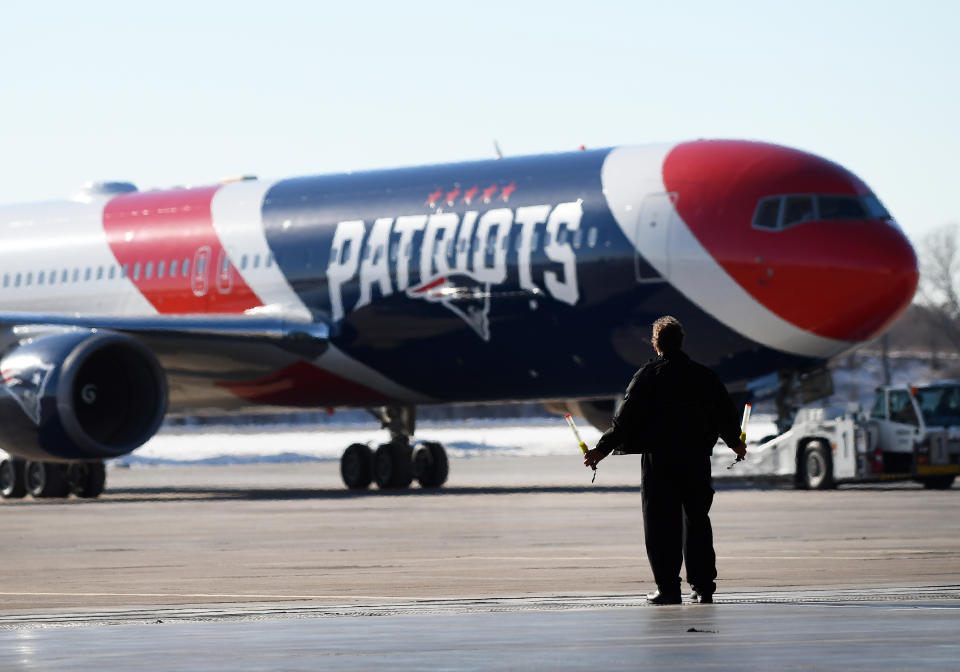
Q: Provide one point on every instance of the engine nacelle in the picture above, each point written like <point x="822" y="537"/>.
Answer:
<point x="79" y="394"/>
<point x="598" y="412"/>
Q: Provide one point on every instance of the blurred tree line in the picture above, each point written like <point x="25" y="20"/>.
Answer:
<point x="930" y="327"/>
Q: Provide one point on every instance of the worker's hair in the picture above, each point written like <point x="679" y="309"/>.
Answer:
<point x="667" y="334"/>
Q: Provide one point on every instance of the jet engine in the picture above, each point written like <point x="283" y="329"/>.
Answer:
<point x="79" y="394"/>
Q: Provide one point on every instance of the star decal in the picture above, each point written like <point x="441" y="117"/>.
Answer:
<point x="452" y="196"/>
<point x="470" y="193"/>
<point x="433" y="198"/>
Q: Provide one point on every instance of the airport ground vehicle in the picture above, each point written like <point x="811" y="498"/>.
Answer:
<point x="909" y="433"/>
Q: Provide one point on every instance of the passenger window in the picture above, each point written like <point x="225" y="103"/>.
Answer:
<point x="63" y="275"/>
<point x="269" y="261"/>
<point x="86" y="275"/>
<point x="879" y="410"/>
<point x="243" y="262"/>
<point x="29" y="278"/>
<point x="535" y="242"/>
<point x="53" y="277"/>
<point x="40" y="277"/>
<point x="256" y="260"/>
<point x="136" y="271"/>
<point x="161" y="269"/>
<point x="185" y="268"/>
<point x="6" y="280"/>
<point x="577" y="239"/>
<point x="797" y="209"/>
<point x="112" y="272"/>
<point x="16" y="281"/>
<point x="173" y="268"/>
<point x="768" y="214"/>
<point x="124" y="270"/>
<point x="901" y="408"/>
<point x="76" y="275"/>
<point x="99" y="272"/>
<point x="592" y="237"/>
<point x="841" y="207"/>
<point x="148" y="271"/>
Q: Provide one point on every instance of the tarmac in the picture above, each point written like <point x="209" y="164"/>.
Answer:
<point x="519" y="563"/>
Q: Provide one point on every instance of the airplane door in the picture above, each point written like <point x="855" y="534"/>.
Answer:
<point x="651" y="260"/>
<point x="224" y="274"/>
<point x="199" y="277"/>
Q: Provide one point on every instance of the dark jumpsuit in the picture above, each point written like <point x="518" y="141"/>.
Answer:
<point x="673" y="412"/>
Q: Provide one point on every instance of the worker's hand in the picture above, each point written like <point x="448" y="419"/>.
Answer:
<point x="740" y="450"/>
<point x="593" y="457"/>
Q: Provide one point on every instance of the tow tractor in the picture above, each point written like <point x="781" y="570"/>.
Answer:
<point x="911" y="432"/>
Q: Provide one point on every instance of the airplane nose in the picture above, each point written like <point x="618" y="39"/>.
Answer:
<point x="839" y="274"/>
<point x="841" y="280"/>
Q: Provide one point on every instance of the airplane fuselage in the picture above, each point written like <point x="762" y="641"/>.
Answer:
<point x="516" y="279"/>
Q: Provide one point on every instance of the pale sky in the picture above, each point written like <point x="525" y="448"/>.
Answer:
<point x="186" y="93"/>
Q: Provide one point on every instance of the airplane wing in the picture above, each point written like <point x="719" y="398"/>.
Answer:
<point x="215" y="326"/>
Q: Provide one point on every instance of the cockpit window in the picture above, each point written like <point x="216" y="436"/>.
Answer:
<point x="768" y="214"/>
<point x="841" y="207"/>
<point x="797" y="209"/>
<point x="875" y="207"/>
<point x="774" y="213"/>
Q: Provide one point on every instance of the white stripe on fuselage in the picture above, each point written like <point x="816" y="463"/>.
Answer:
<point x="238" y="221"/>
<point x="630" y="174"/>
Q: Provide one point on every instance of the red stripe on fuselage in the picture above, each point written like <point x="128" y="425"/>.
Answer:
<point x="304" y="385"/>
<point x="170" y="249"/>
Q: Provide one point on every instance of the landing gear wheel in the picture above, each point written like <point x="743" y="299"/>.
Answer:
<point x="46" y="479"/>
<point x="356" y="466"/>
<point x="816" y="468"/>
<point x="430" y="465"/>
<point x="11" y="479"/>
<point x="933" y="482"/>
<point x="87" y="479"/>
<point x="392" y="466"/>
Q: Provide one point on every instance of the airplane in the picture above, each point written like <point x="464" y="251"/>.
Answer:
<point x="519" y="279"/>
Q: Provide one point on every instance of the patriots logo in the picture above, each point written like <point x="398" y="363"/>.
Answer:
<point x="463" y="296"/>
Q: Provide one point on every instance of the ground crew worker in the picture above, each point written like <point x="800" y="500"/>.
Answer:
<point x="673" y="411"/>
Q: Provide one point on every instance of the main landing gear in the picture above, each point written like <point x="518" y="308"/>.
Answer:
<point x="395" y="464"/>
<point x="51" y="479"/>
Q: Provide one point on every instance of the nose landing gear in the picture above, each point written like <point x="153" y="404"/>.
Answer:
<point x="397" y="463"/>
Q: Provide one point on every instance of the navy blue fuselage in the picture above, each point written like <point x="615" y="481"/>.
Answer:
<point x="469" y="338"/>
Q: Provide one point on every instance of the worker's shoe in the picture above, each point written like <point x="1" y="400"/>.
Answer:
<point x="659" y="597"/>
<point x="701" y="598"/>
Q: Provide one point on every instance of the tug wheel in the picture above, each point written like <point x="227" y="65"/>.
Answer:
<point x="816" y="468"/>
